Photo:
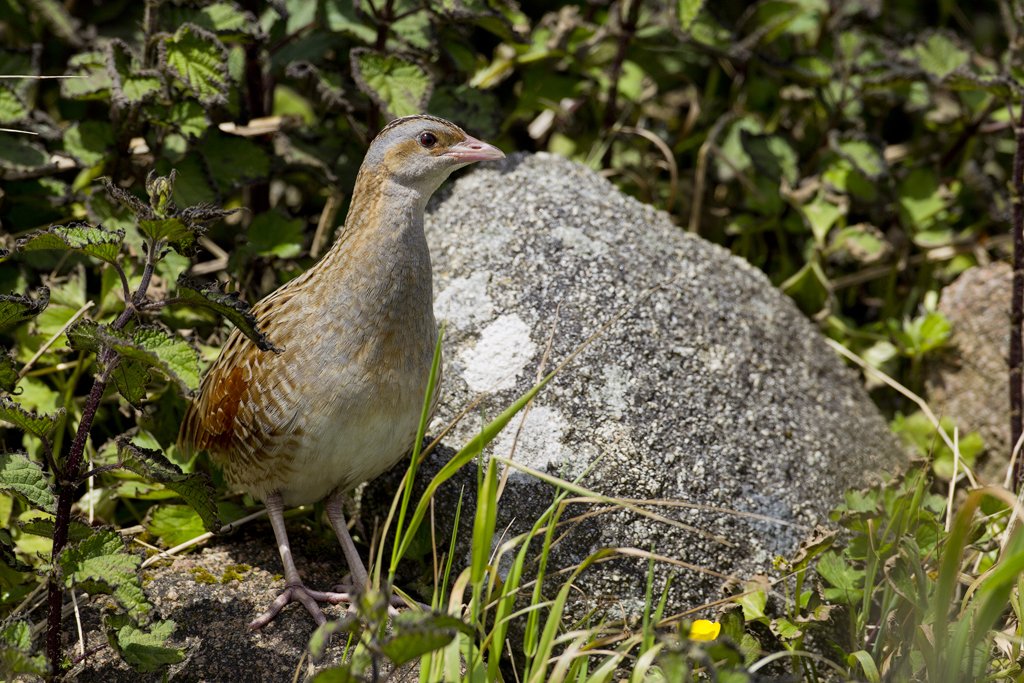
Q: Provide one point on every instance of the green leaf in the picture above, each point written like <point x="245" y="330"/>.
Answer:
<point x="199" y="59"/>
<point x="273" y="234"/>
<point x="18" y="156"/>
<point x="16" y="308"/>
<point x="234" y="160"/>
<point x="89" y="141"/>
<point x="771" y="155"/>
<point x="131" y="84"/>
<point x="398" y="85"/>
<point x="130" y="378"/>
<point x="845" y="581"/>
<point x="865" y="157"/>
<point x="26" y="479"/>
<point x="753" y="600"/>
<point x="821" y="214"/>
<point x="189" y="117"/>
<point x="174" y="524"/>
<point x="921" y="199"/>
<point x="223" y="18"/>
<point x="416" y="633"/>
<point x="226" y="304"/>
<point x="91" y="79"/>
<point x="12" y="109"/>
<point x="149" y="346"/>
<point x="171" y="230"/>
<point x="102" y="564"/>
<point x="939" y="56"/>
<point x="687" y="12"/>
<point x="340" y="16"/>
<point x="90" y="239"/>
<point x="145" y="650"/>
<point x="16" y="658"/>
<point x="8" y="371"/>
<point x="41" y="426"/>
<point x="194" y="488"/>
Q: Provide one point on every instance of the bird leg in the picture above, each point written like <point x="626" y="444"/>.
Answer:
<point x="294" y="589"/>
<point x="336" y="515"/>
<point x="358" y="577"/>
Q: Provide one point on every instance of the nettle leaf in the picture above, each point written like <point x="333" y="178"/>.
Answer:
<point x="226" y="304"/>
<point x="130" y="378"/>
<point x="26" y="479"/>
<point x="145" y="650"/>
<point x="101" y="563"/>
<point x="41" y="426"/>
<point x="189" y="118"/>
<point x="8" y="371"/>
<point x="171" y="230"/>
<point x="90" y="239"/>
<point x="92" y="80"/>
<point x="12" y="109"/>
<point x="130" y="83"/>
<point x="328" y="86"/>
<point x="771" y="155"/>
<point x="19" y="156"/>
<point x="341" y="16"/>
<point x="43" y="526"/>
<point x="16" y="658"/>
<point x="938" y="55"/>
<point x="274" y="234"/>
<point x="89" y="141"/>
<point x="172" y="355"/>
<point x="199" y="60"/>
<point x="234" y="160"/>
<point x="687" y="12"/>
<point x="397" y="84"/>
<point x="416" y="634"/>
<point x="16" y="308"/>
<point x="195" y="488"/>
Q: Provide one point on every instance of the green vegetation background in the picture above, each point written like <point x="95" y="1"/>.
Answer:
<point x="858" y="152"/>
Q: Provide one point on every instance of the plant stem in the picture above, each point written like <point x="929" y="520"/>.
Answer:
<point x="67" y="484"/>
<point x="1016" y="355"/>
<point x="629" y="14"/>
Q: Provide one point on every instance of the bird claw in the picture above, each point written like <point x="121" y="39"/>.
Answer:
<point x="309" y="599"/>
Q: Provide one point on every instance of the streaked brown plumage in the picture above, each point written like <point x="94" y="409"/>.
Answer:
<point x="340" y="403"/>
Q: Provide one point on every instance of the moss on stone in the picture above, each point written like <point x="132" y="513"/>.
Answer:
<point x="234" y="572"/>
<point x="201" y="575"/>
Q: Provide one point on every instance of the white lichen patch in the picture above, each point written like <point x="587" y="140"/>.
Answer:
<point x="539" y="441"/>
<point x="500" y="356"/>
<point x="465" y="301"/>
<point x="616" y="385"/>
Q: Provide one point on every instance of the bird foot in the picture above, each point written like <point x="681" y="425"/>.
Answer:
<point x="395" y="601"/>
<point x="309" y="599"/>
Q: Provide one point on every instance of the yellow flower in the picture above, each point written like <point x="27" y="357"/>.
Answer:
<point x="702" y="629"/>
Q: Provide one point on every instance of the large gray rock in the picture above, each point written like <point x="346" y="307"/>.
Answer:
<point x="969" y="383"/>
<point x="713" y="389"/>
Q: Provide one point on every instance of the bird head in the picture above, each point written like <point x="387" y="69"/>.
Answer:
<point x="420" y="152"/>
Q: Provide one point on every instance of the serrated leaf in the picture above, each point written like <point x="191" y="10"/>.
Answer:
<point x="12" y="109"/>
<point x="42" y="426"/>
<point x="131" y="84"/>
<point x="274" y="234"/>
<point x="189" y="118"/>
<point x="687" y="12"/>
<point x="145" y="650"/>
<point x="18" y="155"/>
<point x="234" y="160"/>
<point x="194" y="488"/>
<point x="43" y="526"/>
<point x="154" y="347"/>
<point x="8" y="371"/>
<point x="398" y="85"/>
<point x="130" y="378"/>
<point x="102" y="564"/>
<point x="171" y="230"/>
<point x="340" y="16"/>
<point x="416" y="634"/>
<point x="26" y="479"/>
<point x="199" y="59"/>
<point x="91" y="80"/>
<point x="89" y="141"/>
<point x="174" y="524"/>
<point x="16" y="658"/>
<point x="228" y="305"/>
<point x="939" y="56"/>
<point x="90" y="239"/>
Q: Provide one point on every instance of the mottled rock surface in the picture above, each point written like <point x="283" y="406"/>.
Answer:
<point x="969" y="383"/>
<point x="713" y="388"/>
<point x="212" y="595"/>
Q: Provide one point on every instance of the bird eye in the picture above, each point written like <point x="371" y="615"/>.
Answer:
<point x="428" y="140"/>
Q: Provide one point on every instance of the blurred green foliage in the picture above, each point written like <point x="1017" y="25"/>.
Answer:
<point x="857" y="151"/>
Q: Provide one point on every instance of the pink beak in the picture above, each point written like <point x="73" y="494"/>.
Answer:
<point x="471" y="149"/>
